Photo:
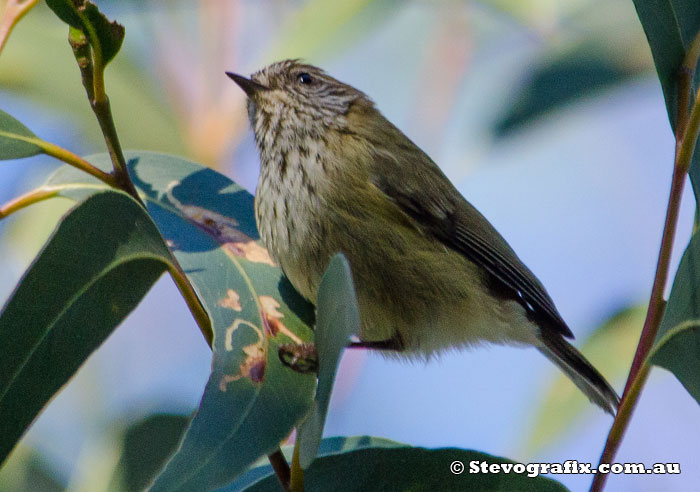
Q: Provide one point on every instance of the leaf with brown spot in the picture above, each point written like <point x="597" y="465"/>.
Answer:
<point x="231" y="301"/>
<point x="208" y="218"/>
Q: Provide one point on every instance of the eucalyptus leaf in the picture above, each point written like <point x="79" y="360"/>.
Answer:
<point x="104" y="256"/>
<point x="16" y="140"/>
<point x="562" y="81"/>
<point x="670" y="26"/>
<point x="252" y="401"/>
<point x="377" y="464"/>
<point x="338" y="319"/>
<point x="86" y="17"/>
<point x="677" y="344"/>
<point x="146" y="445"/>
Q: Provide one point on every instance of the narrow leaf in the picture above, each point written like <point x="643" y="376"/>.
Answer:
<point x="16" y="140"/>
<point x="338" y="318"/>
<point x="670" y="26"/>
<point x="85" y="16"/>
<point x="146" y="446"/>
<point x="560" y="82"/>
<point x="678" y="340"/>
<point x="100" y="262"/>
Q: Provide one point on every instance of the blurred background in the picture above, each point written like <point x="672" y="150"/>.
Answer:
<point x="548" y="117"/>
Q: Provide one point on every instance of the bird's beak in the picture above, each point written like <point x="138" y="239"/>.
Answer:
<point x="250" y="87"/>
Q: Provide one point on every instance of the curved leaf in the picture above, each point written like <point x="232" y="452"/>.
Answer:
<point x="670" y="26"/>
<point x="85" y="16"/>
<point x="562" y="81"/>
<point x="16" y="139"/>
<point x="338" y="319"/>
<point x="379" y="464"/>
<point x="252" y="401"/>
<point x="102" y="259"/>
<point x="678" y="340"/>
<point x="146" y="445"/>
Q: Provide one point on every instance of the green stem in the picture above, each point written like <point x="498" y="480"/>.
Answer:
<point x="297" y="473"/>
<point x="193" y="303"/>
<point x="121" y="174"/>
<point x="76" y="161"/>
<point x="29" y="198"/>
<point x="686" y="137"/>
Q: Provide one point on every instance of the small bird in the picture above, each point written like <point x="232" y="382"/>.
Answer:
<point x="430" y="272"/>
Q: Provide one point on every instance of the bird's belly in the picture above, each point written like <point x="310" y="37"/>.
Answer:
<point x="409" y="287"/>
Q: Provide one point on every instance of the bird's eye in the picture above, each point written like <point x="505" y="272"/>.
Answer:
<point x="304" y="78"/>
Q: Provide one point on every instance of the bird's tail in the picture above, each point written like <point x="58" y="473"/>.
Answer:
<point x="581" y="372"/>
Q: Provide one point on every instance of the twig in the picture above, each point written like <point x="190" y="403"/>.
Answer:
<point x="75" y="160"/>
<point x="281" y="468"/>
<point x="29" y="198"/>
<point x="686" y="137"/>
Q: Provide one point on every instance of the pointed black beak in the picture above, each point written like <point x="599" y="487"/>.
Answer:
<point x="250" y="87"/>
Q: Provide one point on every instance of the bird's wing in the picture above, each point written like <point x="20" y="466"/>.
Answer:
<point x="425" y="194"/>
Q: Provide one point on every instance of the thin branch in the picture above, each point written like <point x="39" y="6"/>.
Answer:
<point x="686" y="137"/>
<point x="193" y="303"/>
<point x="89" y="60"/>
<point x="29" y="198"/>
<point x="281" y="468"/>
<point x="104" y="118"/>
<point x="75" y="160"/>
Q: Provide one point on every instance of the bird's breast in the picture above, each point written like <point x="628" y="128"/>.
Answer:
<point x="288" y="212"/>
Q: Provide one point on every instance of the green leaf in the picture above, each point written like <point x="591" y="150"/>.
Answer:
<point x="100" y="262"/>
<point x="670" y="26"/>
<point x="338" y="319"/>
<point x="677" y="344"/>
<point x="385" y="465"/>
<point x="147" y="444"/>
<point x="104" y="36"/>
<point x="562" y="81"/>
<point x="251" y="401"/>
<point x="611" y="349"/>
<point x="16" y="140"/>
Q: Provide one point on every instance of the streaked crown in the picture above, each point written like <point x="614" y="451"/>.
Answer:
<point x="302" y="95"/>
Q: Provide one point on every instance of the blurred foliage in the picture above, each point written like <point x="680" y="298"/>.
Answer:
<point x="610" y="349"/>
<point x="562" y="81"/>
<point x="27" y="472"/>
<point x="146" y="446"/>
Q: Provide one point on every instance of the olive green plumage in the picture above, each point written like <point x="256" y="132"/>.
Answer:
<point x="431" y="273"/>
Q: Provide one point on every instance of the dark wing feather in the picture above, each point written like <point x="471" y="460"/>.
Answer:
<point x="425" y="194"/>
